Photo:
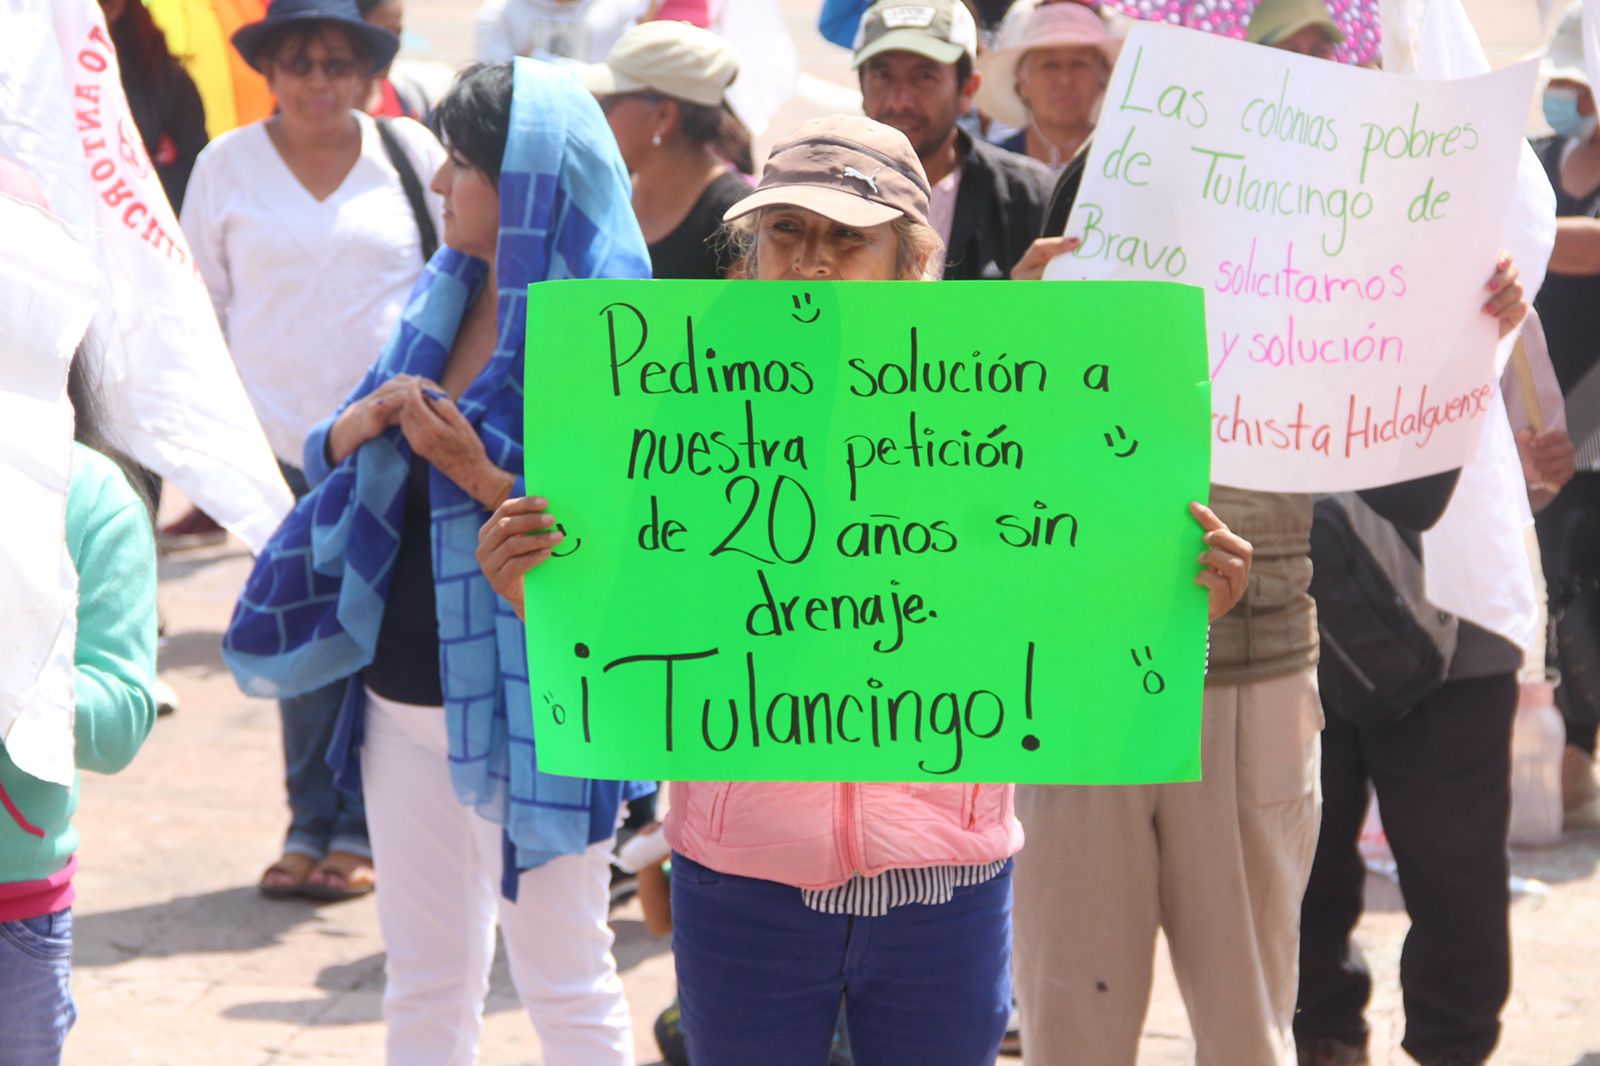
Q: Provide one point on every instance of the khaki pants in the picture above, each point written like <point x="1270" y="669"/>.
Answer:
<point x="1219" y="864"/>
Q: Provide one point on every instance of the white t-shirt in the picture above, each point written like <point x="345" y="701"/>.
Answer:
<point x="582" y="30"/>
<point x="307" y="292"/>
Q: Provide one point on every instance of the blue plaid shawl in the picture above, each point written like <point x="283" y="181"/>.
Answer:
<point x="310" y="612"/>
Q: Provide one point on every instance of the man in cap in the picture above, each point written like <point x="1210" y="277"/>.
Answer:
<point x="916" y="63"/>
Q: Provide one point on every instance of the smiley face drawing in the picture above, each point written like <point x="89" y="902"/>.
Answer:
<point x="816" y="312"/>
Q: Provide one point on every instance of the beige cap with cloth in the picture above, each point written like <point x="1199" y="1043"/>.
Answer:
<point x="673" y="59"/>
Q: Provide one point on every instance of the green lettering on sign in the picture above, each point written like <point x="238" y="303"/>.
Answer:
<point x="868" y="531"/>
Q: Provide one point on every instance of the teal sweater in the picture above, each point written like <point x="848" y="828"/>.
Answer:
<point x="109" y="539"/>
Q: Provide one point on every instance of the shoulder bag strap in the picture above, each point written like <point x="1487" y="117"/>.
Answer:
<point x="412" y="187"/>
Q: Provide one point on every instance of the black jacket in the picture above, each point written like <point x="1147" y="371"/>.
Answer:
<point x="171" y="120"/>
<point x="999" y="210"/>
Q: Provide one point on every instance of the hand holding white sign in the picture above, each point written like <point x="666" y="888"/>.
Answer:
<point x="1340" y="221"/>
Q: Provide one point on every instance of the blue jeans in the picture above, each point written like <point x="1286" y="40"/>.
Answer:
<point x="761" y="976"/>
<point x="321" y="818"/>
<point x="36" y="1008"/>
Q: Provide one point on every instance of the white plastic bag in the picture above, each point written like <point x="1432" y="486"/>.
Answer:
<point x="1536" y="742"/>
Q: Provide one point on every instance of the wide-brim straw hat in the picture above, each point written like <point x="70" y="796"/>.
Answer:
<point x="1047" y="26"/>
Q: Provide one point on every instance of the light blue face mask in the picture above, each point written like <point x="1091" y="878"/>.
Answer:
<point x="1561" y="111"/>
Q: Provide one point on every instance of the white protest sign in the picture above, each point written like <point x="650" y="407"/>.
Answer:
<point x="1343" y="223"/>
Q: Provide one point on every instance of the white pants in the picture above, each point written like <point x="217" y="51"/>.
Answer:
<point x="439" y="866"/>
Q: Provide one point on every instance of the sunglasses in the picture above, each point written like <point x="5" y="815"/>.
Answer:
<point x="301" y="66"/>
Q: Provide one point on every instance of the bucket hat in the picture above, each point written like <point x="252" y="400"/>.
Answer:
<point x="247" y="39"/>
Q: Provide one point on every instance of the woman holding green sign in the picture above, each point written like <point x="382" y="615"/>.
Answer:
<point x="894" y="897"/>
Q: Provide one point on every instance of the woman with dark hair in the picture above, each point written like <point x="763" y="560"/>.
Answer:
<point x="165" y="104"/>
<point x="662" y="89"/>
<point x="308" y="239"/>
<point x="404" y="473"/>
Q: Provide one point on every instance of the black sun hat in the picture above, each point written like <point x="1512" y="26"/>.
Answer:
<point x="247" y="40"/>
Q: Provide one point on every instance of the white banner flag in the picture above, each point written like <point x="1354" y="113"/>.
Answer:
<point x="1340" y="222"/>
<point x="173" y="397"/>
<point x="48" y="291"/>
<point x="769" y="65"/>
<point x="1476" y="556"/>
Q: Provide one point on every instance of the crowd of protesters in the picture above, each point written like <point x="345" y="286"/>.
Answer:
<point x="370" y="272"/>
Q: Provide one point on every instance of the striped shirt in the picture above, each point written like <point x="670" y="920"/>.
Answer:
<point x="873" y="897"/>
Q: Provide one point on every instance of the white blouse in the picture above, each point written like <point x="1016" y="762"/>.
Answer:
<point x="308" y="291"/>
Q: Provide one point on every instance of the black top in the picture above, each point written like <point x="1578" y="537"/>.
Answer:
<point x="999" y="210"/>
<point x="171" y="120"/>
<point x="685" y="253"/>
<point x="1569" y="306"/>
<point x="1065" y="193"/>
<point x="991" y="13"/>
<point x="405" y="667"/>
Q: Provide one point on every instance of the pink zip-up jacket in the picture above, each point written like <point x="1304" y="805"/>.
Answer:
<point x="817" y="836"/>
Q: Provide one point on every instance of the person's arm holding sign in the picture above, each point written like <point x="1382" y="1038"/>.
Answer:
<point x="1507" y="302"/>
<point x="1225" y="563"/>
<point x="516" y="539"/>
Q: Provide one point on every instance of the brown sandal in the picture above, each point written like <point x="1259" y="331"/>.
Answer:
<point x="289" y="873"/>
<point x="340" y="875"/>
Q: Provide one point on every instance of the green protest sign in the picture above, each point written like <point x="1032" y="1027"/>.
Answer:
<point x="868" y="531"/>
